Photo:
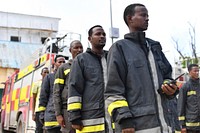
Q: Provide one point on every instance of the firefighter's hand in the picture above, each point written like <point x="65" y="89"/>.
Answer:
<point x="33" y="117"/>
<point x="77" y="127"/>
<point x="128" y="130"/>
<point x="169" y="89"/>
<point x="183" y="130"/>
<point x="60" y="120"/>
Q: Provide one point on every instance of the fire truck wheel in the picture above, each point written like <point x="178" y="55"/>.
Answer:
<point x="1" y="127"/>
<point x="20" y="125"/>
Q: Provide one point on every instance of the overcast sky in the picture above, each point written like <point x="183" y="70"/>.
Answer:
<point x="168" y="18"/>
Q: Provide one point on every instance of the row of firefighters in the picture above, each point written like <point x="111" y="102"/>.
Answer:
<point x="72" y="98"/>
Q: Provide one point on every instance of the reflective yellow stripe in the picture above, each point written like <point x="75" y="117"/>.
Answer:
<point x="177" y="131"/>
<point x="59" y="81"/>
<point x="181" y="118"/>
<point x="191" y="93"/>
<point x="52" y="123"/>
<point x="41" y="108"/>
<point x="190" y="124"/>
<point x="66" y="71"/>
<point x="115" y="105"/>
<point x="90" y="129"/>
<point x="113" y="125"/>
<point x="74" y="106"/>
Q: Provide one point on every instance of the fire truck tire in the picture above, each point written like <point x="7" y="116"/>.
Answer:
<point x="1" y="128"/>
<point x="20" y="125"/>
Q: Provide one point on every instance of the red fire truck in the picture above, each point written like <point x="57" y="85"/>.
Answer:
<point x="16" y="108"/>
<point x="17" y="97"/>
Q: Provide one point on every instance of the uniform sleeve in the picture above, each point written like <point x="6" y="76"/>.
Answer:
<point x="57" y="90"/>
<point x="115" y="100"/>
<point x="182" y="105"/>
<point x="44" y="94"/>
<point x="75" y="91"/>
<point x="166" y="70"/>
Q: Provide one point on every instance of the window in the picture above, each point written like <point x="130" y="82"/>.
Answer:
<point x="43" y="39"/>
<point x="15" y="38"/>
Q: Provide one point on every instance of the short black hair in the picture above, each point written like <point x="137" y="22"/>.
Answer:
<point x="58" y="56"/>
<point x="191" y="66"/>
<point x="44" y="69"/>
<point x="74" y="41"/>
<point x="90" y="30"/>
<point x="130" y="11"/>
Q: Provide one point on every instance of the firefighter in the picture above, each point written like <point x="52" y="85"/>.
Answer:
<point x="135" y="93"/>
<point x="60" y="89"/>
<point x="46" y="99"/>
<point x="36" y="93"/>
<point x="86" y="85"/>
<point x="188" y="102"/>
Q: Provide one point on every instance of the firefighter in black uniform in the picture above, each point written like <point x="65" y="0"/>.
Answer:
<point x="46" y="99"/>
<point x="188" y="102"/>
<point x="60" y="89"/>
<point x="87" y="81"/>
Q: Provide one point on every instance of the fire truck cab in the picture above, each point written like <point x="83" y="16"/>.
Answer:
<point x="16" y="111"/>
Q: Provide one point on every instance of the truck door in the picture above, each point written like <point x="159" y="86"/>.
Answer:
<point x="8" y="94"/>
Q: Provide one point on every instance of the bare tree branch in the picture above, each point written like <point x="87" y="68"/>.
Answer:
<point x="176" y="45"/>
<point x="193" y="41"/>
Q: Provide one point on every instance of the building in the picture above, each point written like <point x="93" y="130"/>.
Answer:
<point x="21" y="38"/>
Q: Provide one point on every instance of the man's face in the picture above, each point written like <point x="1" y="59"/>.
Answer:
<point x="59" y="61"/>
<point x="139" y="21"/>
<point x="194" y="73"/>
<point x="45" y="72"/>
<point x="76" y="49"/>
<point x="98" y="38"/>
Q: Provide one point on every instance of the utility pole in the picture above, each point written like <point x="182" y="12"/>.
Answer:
<point x="111" y="19"/>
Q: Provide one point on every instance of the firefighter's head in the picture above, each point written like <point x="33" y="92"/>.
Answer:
<point x="97" y="38"/>
<point x="58" y="61"/>
<point x="75" y="48"/>
<point x="44" y="72"/>
<point x="136" y="17"/>
<point x="193" y="70"/>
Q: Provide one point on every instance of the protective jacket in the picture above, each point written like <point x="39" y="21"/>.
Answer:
<point x="60" y="90"/>
<point x="46" y="102"/>
<point x="132" y="94"/>
<point x="189" y="105"/>
<point x="86" y="88"/>
<point x="60" y="93"/>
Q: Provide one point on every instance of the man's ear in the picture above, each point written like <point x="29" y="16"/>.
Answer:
<point x="70" y="50"/>
<point x="129" y="19"/>
<point x="89" y="38"/>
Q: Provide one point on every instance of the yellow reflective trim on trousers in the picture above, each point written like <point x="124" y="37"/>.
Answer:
<point x="177" y="131"/>
<point x="192" y="124"/>
<point x="116" y="104"/>
<point x="89" y="129"/>
<point x="113" y="125"/>
<point x="66" y="71"/>
<point x="41" y="108"/>
<point x="181" y="118"/>
<point x="74" y="106"/>
<point x="52" y="123"/>
<point x="59" y="81"/>
<point x="191" y="93"/>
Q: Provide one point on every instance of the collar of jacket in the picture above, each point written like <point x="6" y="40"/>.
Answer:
<point x="89" y="50"/>
<point x="138" y="36"/>
<point x="70" y="61"/>
<point x="194" y="81"/>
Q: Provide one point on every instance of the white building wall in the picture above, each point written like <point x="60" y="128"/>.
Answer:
<point x="30" y="28"/>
